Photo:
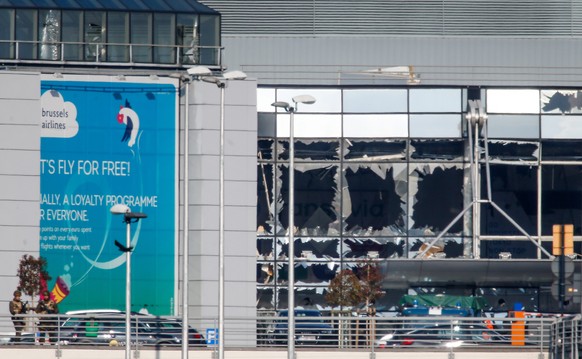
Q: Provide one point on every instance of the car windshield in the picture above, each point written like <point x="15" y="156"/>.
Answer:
<point x="304" y="316"/>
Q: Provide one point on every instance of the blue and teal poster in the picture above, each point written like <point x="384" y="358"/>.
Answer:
<point x="107" y="143"/>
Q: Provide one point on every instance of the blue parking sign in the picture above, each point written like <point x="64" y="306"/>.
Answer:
<point x="212" y="336"/>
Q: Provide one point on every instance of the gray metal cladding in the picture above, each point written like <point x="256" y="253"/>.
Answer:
<point x="553" y="18"/>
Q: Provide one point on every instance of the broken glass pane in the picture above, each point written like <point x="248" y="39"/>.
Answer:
<point x="513" y="150"/>
<point x="561" y="101"/>
<point x="265" y="248"/>
<point x="563" y="150"/>
<point x="265" y="298"/>
<point x="383" y="247"/>
<point x="436" y="198"/>
<point x="374" y="150"/>
<point x="561" y="197"/>
<point x="310" y="248"/>
<point x="374" y="199"/>
<point x="514" y="190"/>
<point x="310" y="273"/>
<point x="305" y="297"/>
<point x="265" y="273"/>
<point x="445" y="247"/>
<point x="265" y="205"/>
<point x="315" y="196"/>
<point x="310" y="150"/>
<point x="445" y="149"/>
<point x="521" y="249"/>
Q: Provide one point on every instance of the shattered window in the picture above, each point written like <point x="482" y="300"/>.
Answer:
<point x="265" y="273"/>
<point x="265" y="205"/>
<point x="514" y="190"/>
<point x="562" y="126"/>
<point x="436" y="198"/>
<point x="374" y="199"/>
<point x="519" y="249"/>
<point x="374" y="150"/>
<point x="308" y="273"/>
<point x="310" y="150"/>
<point x="265" y="298"/>
<point x="513" y="150"/>
<point x="561" y="197"/>
<point x="561" y="150"/>
<point x="304" y="297"/>
<point x="315" y="198"/>
<point x="561" y="101"/>
<point x="265" y="248"/>
<point x="309" y="248"/>
<point x="513" y="126"/>
<point x="442" y="149"/>
<point x="445" y="247"/>
<point x="365" y="247"/>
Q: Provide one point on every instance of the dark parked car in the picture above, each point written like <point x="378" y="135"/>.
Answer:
<point x="310" y="329"/>
<point x="174" y="327"/>
<point x="443" y="335"/>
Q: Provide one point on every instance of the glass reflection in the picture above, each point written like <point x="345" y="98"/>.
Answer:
<point x="315" y="126"/>
<point x="513" y="101"/>
<point x="562" y="126"/>
<point x="327" y="100"/>
<point x="375" y="126"/>
<point x="375" y="100"/>
<point x="265" y="97"/>
<point x="72" y="35"/>
<point x="141" y="35"/>
<point x="435" y="100"/>
<point x="513" y="126"/>
<point x="434" y="126"/>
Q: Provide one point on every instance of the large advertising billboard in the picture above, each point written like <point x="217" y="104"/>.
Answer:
<point x="107" y="142"/>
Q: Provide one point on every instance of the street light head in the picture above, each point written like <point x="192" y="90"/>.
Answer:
<point x="135" y="215"/>
<point x="211" y="79"/>
<point x="120" y="209"/>
<point x="306" y="99"/>
<point x="281" y="104"/>
<point x="199" y="71"/>
<point x="235" y="75"/>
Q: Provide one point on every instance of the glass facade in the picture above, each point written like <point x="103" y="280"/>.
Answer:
<point x="381" y="172"/>
<point x="110" y="36"/>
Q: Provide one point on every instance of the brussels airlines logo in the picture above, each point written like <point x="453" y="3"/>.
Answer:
<point x="130" y="119"/>
<point x="58" y="118"/>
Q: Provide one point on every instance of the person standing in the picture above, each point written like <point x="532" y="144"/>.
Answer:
<point x="17" y="308"/>
<point x="47" y="324"/>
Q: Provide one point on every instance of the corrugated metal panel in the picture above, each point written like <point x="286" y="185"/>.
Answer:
<point x="401" y="17"/>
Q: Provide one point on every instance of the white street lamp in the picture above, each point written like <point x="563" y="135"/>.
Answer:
<point x="128" y="217"/>
<point x="308" y="100"/>
<point x="205" y="74"/>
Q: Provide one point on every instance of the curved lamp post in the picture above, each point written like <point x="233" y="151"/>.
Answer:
<point x="205" y="74"/>
<point x="308" y="100"/>
<point x="129" y="217"/>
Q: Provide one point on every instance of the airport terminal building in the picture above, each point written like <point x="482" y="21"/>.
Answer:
<point x="443" y="144"/>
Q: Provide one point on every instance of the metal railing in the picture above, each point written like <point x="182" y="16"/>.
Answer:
<point x="369" y="334"/>
<point x="108" y="54"/>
